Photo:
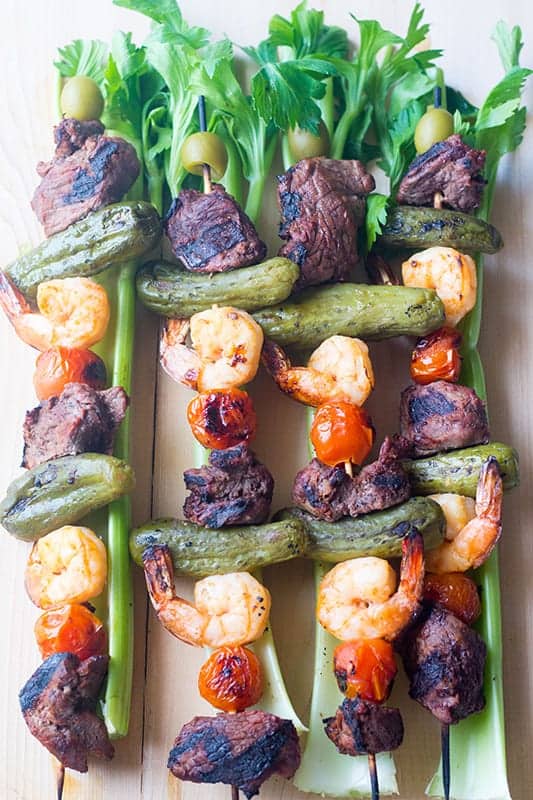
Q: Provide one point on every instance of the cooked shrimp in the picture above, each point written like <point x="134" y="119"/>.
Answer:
<point x="74" y="312"/>
<point x="228" y="609"/>
<point x="338" y="370"/>
<point x="472" y="544"/>
<point x="68" y="565"/>
<point x="358" y="599"/>
<point x="450" y="273"/>
<point x="226" y="350"/>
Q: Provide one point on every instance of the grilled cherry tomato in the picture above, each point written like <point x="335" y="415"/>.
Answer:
<point x="456" y="592"/>
<point x="434" y="126"/>
<point x="365" y="668"/>
<point x="61" y="365"/>
<point x="436" y="357"/>
<point x="305" y="144"/>
<point x="71" y="629"/>
<point x="222" y="419"/>
<point x="202" y="148"/>
<point x="81" y="98"/>
<point x="231" y="679"/>
<point x="340" y="432"/>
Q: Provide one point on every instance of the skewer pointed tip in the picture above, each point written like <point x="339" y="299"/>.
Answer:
<point x="445" y="748"/>
<point x="372" y="769"/>
<point x="60" y="781"/>
<point x="234" y="793"/>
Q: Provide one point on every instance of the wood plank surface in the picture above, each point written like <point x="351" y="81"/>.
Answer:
<point x="165" y="671"/>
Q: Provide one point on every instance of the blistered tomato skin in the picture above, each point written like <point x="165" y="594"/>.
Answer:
<point x="456" y="592"/>
<point x="70" y="629"/>
<point x="231" y="679"/>
<point x="436" y="357"/>
<point x="341" y="432"/>
<point x="365" y="668"/>
<point x="61" y="365"/>
<point x="222" y="419"/>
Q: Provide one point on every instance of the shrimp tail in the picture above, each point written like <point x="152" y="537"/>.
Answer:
<point x="489" y="491"/>
<point x="179" y="362"/>
<point x="159" y="574"/>
<point x="276" y="362"/>
<point x="12" y="300"/>
<point x="412" y="567"/>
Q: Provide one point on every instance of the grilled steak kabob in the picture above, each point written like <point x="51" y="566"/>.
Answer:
<point x="77" y="415"/>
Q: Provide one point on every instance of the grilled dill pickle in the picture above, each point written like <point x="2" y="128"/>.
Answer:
<point x="198" y="551"/>
<point x="62" y="491"/>
<point x="458" y="471"/>
<point x="415" y="228"/>
<point x="378" y="534"/>
<point x="116" y="233"/>
<point x="349" y="309"/>
<point x="176" y="292"/>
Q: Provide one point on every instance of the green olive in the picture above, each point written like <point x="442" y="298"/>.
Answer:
<point x="434" y="126"/>
<point x="304" y="144"/>
<point x="204" y="148"/>
<point x="82" y="99"/>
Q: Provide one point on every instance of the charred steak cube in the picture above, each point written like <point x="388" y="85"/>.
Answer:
<point x="321" y="490"/>
<point x="80" y="420"/>
<point x="444" y="660"/>
<point x="442" y="416"/>
<point x="211" y="233"/>
<point x="58" y="703"/>
<point x="322" y="204"/>
<point x="360" y="727"/>
<point x="450" y="167"/>
<point x="240" y="749"/>
<point x="234" y="489"/>
<point x="86" y="173"/>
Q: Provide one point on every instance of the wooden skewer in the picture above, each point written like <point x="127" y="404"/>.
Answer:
<point x="234" y="793"/>
<point x="372" y="769"/>
<point x="445" y="749"/>
<point x="206" y="169"/>
<point x="380" y="272"/>
<point x="60" y="781"/>
<point x="348" y="468"/>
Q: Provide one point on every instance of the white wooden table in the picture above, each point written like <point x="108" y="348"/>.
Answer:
<point x="165" y="671"/>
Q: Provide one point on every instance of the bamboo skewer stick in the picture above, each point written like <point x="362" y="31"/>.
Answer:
<point x="445" y="749"/>
<point x="60" y="781"/>
<point x="206" y="169"/>
<point x="372" y="768"/>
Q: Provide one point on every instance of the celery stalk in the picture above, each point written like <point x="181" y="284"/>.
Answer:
<point x="323" y="769"/>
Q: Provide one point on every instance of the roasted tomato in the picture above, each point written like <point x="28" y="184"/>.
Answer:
<point x="231" y="679"/>
<point x="71" y="629"/>
<point x="436" y="357"/>
<point x="342" y="432"/>
<point x="61" y="365"/>
<point x="222" y="419"/>
<point x="456" y="592"/>
<point x="365" y="668"/>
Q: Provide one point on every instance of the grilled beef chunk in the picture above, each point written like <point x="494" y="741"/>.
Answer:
<point x="211" y="233"/>
<point x="322" y="203"/>
<point x="328" y="493"/>
<point x="80" y="420"/>
<point x="444" y="661"/>
<point x="240" y="749"/>
<point x="71" y="134"/>
<point x="234" y="489"/>
<point x="58" y="703"/>
<point x="360" y="727"/>
<point x="88" y="171"/>
<point x="449" y="167"/>
<point x="442" y="416"/>
<point x="381" y="484"/>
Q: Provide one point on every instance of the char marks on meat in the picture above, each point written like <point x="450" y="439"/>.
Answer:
<point x="239" y="749"/>
<point x="450" y="167"/>
<point x="444" y="660"/>
<point x="88" y="171"/>
<point x="211" y="233"/>
<point x="442" y="416"/>
<point x="234" y="489"/>
<point x="328" y="493"/>
<point x="360" y="727"/>
<point x="79" y="420"/>
<point x="322" y="204"/>
<point x="58" y="703"/>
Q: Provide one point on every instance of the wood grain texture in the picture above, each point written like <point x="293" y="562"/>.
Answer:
<point x="165" y="670"/>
